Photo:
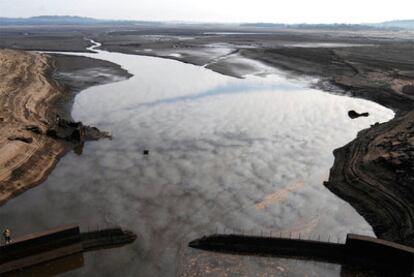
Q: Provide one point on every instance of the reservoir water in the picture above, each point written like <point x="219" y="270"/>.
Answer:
<point x="229" y="155"/>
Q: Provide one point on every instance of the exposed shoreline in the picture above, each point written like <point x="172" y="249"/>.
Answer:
<point x="378" y="163"/>
<point x="375" y="173"/>
<point x="32" y="94"/>
<point x="26" y="164"/>
<point x="368" y="173"/>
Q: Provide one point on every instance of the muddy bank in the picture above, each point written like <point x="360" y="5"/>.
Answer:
<point x="36" y="128"/>
<point x="48" y="38"/>
<point x="77" y="73"/>
<point x="381" y="74"/>
<point x="375" y="174"/>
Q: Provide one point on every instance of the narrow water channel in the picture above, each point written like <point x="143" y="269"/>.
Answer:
<point x="229" y="155"/>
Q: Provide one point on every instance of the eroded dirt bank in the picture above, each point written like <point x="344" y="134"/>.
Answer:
<point x="25" y="98"/>
<point x="32" y="139"/>
<point x="375" y="174"/>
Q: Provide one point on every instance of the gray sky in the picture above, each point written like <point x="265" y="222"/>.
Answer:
<point x="286" y="11"/>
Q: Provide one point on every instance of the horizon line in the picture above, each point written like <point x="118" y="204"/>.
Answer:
<point x="203" y="22"/>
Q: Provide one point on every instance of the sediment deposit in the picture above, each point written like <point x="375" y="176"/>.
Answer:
<point x="27" y="98"/>
<point x="36" y="94"/>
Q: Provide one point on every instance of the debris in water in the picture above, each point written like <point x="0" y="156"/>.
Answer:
<point x="353" y="114"/>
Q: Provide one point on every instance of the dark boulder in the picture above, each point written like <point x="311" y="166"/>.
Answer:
<point x="353" y="114"/>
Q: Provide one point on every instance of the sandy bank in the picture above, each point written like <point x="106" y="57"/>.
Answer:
<point x="34" y="88"/>
<point x="27" y="96"/>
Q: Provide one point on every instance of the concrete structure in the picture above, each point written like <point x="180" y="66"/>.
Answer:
<point x="57" y="243"/>
<point x="363" y="249"/>
<point x="40" y="247"/>
<point x="357" y="250"/>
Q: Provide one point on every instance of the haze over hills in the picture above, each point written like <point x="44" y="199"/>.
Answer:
<point x="68" y="20"/>
<point x="78" y="20"/>
<point x="390" y="25"/>
<point x="334" y="26"/>
<point x="402" y="24"/>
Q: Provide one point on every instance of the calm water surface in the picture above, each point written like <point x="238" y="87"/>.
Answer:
<point x="226" y="154"/>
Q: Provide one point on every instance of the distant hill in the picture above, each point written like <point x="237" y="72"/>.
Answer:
<point x="335" y="26"/>
<point x="394" y="25"/>
<point x="78" y="20"/>
<point x="68" y="20"/>
<point x="402" y="24"/>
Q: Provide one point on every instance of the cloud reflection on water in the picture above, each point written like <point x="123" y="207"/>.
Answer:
<point x="219" y="147"/>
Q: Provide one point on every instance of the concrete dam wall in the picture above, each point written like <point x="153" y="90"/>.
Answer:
<point x="360" y="250"/>
<point x="57" y="243"/>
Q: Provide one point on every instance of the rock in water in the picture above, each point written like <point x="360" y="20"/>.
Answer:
<point x="353" y="114"/>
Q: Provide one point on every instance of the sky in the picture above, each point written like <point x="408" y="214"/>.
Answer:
<point x="286" y="11"/>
